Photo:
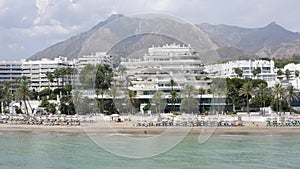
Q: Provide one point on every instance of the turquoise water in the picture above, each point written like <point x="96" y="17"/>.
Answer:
<point x="59" y="151"/>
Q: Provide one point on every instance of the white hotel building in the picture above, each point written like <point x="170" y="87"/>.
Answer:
<point x="227" y="70"/>
<point x="10" y="71"/>
<point x="93" y="59"/>
<point x="36" y="71"/>
<point x="161" y="64"/>
<point x="293" y="79"/>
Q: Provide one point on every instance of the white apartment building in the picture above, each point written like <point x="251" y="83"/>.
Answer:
<point x="10" y="71"/>
<point x="36" y="71"/>
<point x="227" y="70"/>
<point x="293" y="79"/>
<point x="161" y="64"/>
<point x="93" y="59"/>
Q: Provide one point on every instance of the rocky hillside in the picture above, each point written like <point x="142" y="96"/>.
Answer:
<point x="271" y="41"/>
<point x="230" y="42"/>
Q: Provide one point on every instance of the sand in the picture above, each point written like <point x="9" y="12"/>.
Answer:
<point x="128" y="128"/>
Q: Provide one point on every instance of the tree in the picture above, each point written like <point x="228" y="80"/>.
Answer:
<point x="159" y="102"/>
<point x="189" y="103"/>
<point x="70" y="72"/>
<point x="134" y="102"/>
<point x="173" y="93"/>
<point x="247" y="90"/>
<point x="56" y="75"/>
<point x="287" y="74"/>
<point x="174" y="97"/>
<point x="297" y="77"/>
<point x="87" y="76"/>
<point x="103" y="80"/>
<point x="256" y="71"/>
<point x="279" y="74"/>
<point x="278" y="92"/>
<point x="50" y="78"/>
<point x="23" y="91"/>
<point x="297" y="73"/>
<point x="291" y="94"/>
<point x="262" y="92"/>
<point x="239" y="72"/>
<point x="172" y="83"/>
<point x="6" y="95"/>
<point x="201" y="93"/>
<point x="232" y="94"/>
<point x="121" y="69"/>
<point x="213" y="90"/>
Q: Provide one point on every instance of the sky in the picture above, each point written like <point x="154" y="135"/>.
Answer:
<point x="29" y="26"/>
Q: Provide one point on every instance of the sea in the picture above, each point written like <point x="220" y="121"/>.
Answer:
<point x="52" y="150"/>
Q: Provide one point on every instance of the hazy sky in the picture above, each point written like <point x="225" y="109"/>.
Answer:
<point x="28" y="26"/>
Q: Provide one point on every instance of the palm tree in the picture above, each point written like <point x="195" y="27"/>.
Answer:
<point x="189" y="92"/>
<point x="159" y="101"/>
<point x="239" y="72"/>
<point x="201" y="92"/>
<point x="172" y="83"/>
<point x="121" y="69"/>
<point x="279" y="74"/>
<point x="56" y="75"/>
<point x="213" y="90"/>
<point x="132" y="95"/>
<point x="297" y="76"/>
<point x="246" y="90"/>
<point x="23" y="91"/>
<point x="70" y="72"/>
<point x="291" y="94"/>
<point x="287" y="74"/>
<point x="262" y="91"/>
<point x="256" y="71"/>
<point x="173" y="93"/>
<point x="6" y="95"/>
<point x="278" y="92"/>
<point x="63" y="73"/>
<point x="50" y="78"/>
<point x="174" y="97"/>
<point x="232" y="94"/>
<point x="103" y="81"/>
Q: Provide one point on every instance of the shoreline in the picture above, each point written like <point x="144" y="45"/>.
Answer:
<point x="79" y="130"/>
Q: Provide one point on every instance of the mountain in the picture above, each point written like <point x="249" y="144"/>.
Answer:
<point x="258" y="42"/>
<point x="72" y="47"/>
<point x="123" y="36"/>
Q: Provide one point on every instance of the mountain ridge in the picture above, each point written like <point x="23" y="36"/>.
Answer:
<point x="232" y="42"/>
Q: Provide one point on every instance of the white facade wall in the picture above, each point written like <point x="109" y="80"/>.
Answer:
<point x="160" y="65"/>
<point x="227" y="70"/>
<point x="93" y="59"/>
<point x="36" y="71"/>
<point x="10" y="71"/>
<point x="293" y="80"/>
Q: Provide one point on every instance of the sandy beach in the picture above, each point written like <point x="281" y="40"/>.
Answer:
<point x="248" y="129"/>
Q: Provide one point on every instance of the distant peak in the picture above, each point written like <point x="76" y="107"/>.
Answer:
<point x="115" y="16"/>
<point x="273" y="24"/>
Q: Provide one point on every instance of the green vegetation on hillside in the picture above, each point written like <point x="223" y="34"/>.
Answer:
<point x="280" y="63"/>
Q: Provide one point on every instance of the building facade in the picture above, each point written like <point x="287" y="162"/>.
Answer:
<point x="227" y="70"/>
<point x="93" y="59"/>
<point x="36" y="71"/>
<point x="10" y="71"/>
<point x="162" y="64"/>
<point x="292" y="78"/>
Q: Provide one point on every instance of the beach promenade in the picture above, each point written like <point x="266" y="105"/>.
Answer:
<point x="228" y="125"/>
